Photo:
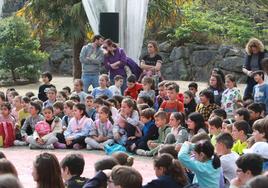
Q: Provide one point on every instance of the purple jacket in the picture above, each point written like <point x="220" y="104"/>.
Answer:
<point x="119" y="55"/>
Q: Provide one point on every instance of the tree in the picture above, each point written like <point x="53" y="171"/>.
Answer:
<point x="19" y="53"/>
<point x="65" y="19"/>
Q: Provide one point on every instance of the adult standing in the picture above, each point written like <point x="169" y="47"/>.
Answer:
<point x="115" y="61"/>
<point x="91" y="57"/>
<point x="255" y="53"/>
<point x="151" y="63"/>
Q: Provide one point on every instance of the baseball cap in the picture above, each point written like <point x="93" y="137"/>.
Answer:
<point x="260" y="148"/>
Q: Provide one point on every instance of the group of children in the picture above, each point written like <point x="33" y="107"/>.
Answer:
<point x="224" y="133"/>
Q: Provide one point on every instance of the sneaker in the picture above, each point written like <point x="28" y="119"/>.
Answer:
<point x="19" y="143"/>
<point x="33" y="146"/>
<point x="59" y="145"/>
<point x="132" y="147"/>
<point x="50" y="146"/>
<point x="141" y="152"/>
<point x="89" y="147"/>
<point x="76" y="146"/>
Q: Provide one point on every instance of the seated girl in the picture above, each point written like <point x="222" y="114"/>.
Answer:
<point x="45" y="132"/>
<point x="101" y="133"/>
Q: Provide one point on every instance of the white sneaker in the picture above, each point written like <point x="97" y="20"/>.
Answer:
<point x="89" y="147"/>
<point x="50" y="146"/>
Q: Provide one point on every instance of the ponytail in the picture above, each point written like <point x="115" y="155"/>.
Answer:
<point x="216" y="162"/>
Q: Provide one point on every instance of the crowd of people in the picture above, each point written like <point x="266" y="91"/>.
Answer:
<point x="214" y="138"/>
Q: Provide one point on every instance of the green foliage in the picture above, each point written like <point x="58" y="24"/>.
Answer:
<point x="204" y="26"/>
<point x="19" y="53"/>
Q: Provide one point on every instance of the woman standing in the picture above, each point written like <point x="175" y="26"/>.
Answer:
<point x="152" y="62"/>
<point x="255" y="53"/>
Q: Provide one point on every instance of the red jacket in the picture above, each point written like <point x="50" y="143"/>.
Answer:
<point x="133" y="92"/>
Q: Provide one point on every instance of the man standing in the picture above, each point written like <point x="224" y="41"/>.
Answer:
<point x="91" y="57"/>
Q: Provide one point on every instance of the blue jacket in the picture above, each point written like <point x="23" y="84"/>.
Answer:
<point x="163" y="181"/>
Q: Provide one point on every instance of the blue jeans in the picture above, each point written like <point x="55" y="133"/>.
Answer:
<point x="90" y="79"/>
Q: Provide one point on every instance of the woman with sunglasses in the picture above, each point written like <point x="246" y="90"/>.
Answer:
<point x="255" y="53"/>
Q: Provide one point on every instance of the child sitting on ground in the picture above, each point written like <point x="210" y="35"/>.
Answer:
<point x="6" y="114"/>
<point x="215" y="126"/>
<point x="68" y="113"/>
<point x="16" y="108"/>
<point x="193" y="88"/>
<point x="162" y="95"/>
<point x="72" y="166"/>
<point x="260" y="131"/>
<point x="58" y="109"/>
<point x="102" y="89"/>
<point x="45" y="132"/>
<point x="239" y="133"/>
<point x="148" y="88"/>
<point x="116" y="88"/>
<point x="133" y="87"/>
<point x="163" y="130"/>
<point x="43" y="89"/>
<point x="224" y="144"/>
<point x="51" y="97"/>
<point x="91" y="111"/>
<point x="101" y="132"/>
<point x="255" y="111"/>
<point x="22" y="115"/>
<point x="78" y="90"/>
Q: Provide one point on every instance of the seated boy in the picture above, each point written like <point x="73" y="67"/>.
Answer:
<point x="116" y="88"/>
<point x="215" y="126"/>
<point x="42" y="92"/>
<point x="72" y="167"/>
<point x="255" y="111"/>
<point x="162" y="95"/>
<point x="239" y="133"/>
<point x="224" y="144"/>
<point x="133" y="87"/>
<point x="51" y="95"/>
<point x="172" y="104"/>
<point x="163" y="130"/>
<point x="58" y="109"/>
<point x="242" y="114"/>
<point x="220" y="113"/>
<point x="90" y="109"/>
<point x="193" y="88"/>
<point x="260" y="131"/>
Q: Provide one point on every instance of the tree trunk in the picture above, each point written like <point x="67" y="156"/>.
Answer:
<point x="13" y="74"/>
<point x="77" y="69"/>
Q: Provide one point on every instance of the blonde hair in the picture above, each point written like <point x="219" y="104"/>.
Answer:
<point x="254" y="42"/>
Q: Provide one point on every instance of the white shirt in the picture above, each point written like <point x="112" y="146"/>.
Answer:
<point x="115" y="90"/>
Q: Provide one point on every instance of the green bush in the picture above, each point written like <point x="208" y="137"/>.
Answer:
<point x="19" y="52"/>
<point x="206" y="26"/>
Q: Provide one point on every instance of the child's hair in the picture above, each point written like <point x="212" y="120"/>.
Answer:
<point x="220" y="113"/>
<point x="7" y="105"/>
<point x="48" y="170"/>
<point x="118" y="98"/>
<point x="250" y="141"/>
<point x="174" y="86"/>
<point x="226" y="139"/>
<point x="208" y="94"/>
<point x="168" y="149"/>
<point x="220" y="84"/>
<point x="148" y="80"/>
<point x="199" y="136"/>
<point x="2" y="155"/>
<point x="14" y="94"/>
<point x="118" y="77"/>
<point x="242" y="126"/>
<point x="172" y="168"/>
<point x="98" y="101"/>
<point x="26" y="99"/>
<point x="89" y="97"/>
<point x="52" y="89"/>
<point x="48" y="108"/>
<point x="260" y="73"/>
<point x="231" y="78"/>
<point x="143" y="106"/>
<point x="9" y="181"/>
<point x="252" y="162"/>
<point x="2" y="96"/>
<point x="113" y="102"/>
<point x="47" y="74"/>
<point x="255" y="107"/>
<point x="193" y="85"/>
<point x="6" y="167"/>
<point x="259" y="125"/>
<point x="179" y="117"/>
<point x="81" y="107"/>
<point x="126" y="177"/>
<point x="243" y="112"/>
<point x="106" y="163"/>
<point x="123" y="158"/>
<point x="106" y="110"/>
<point x="74" y="162"/>
<point x="161" y="115"/>
<point x="75" y="97"/>
<point x="219" y="72"/>
<point x="67" y="89"/>
<point x="104" y="97"/>
<point x="58" y="105"/>
<point x="216" y="122"/>
<point x="162" y="84"/>
<point x="148" y="113"/>
<point x="199" y="121"/>
<point x="207" y="148"/>
<point x="64" y="95"/>
<point x="105" y="76"/>
<point x="260" y="181"/>
<point x="80" y="82"/>
<point x="190" y="94"/>
<point x="132" y="79"/>
<point x="148" y="100"/>
<point x="29" y="94"/>
<point x="130" y="103"/>
<point x="69" y="103"/>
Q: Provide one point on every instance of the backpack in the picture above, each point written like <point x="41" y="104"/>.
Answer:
<point x="7" y="134"/>
<point x="110" y="149"/>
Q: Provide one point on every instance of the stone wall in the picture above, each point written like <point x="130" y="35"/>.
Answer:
<point x="195" y="62"/>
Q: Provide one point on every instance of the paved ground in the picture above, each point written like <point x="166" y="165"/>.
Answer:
<point x="23" y="158"/>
